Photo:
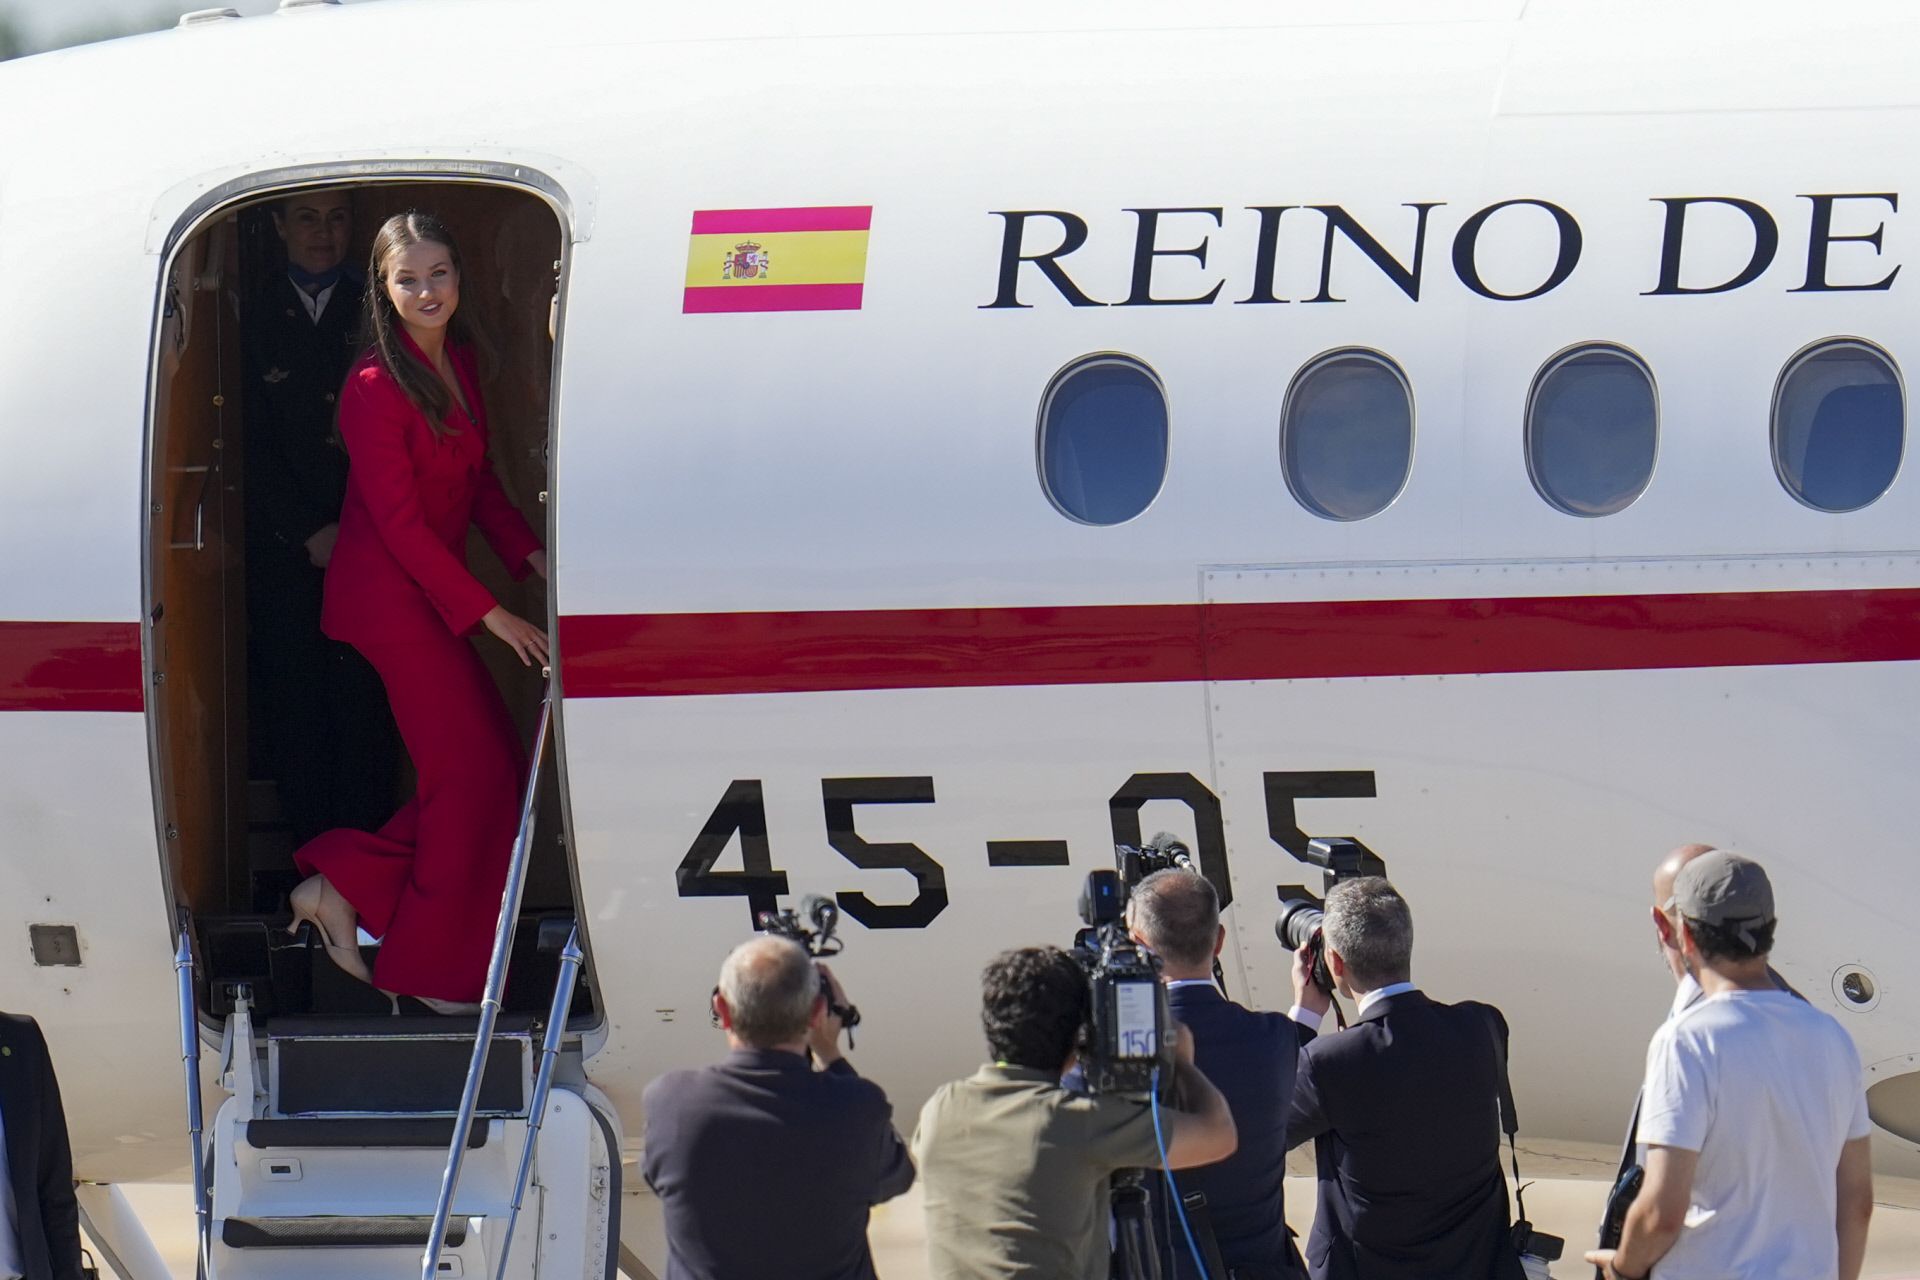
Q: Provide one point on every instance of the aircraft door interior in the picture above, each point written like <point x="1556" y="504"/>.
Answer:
<point x="227" y="834"/>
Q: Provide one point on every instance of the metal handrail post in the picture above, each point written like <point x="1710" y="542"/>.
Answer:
<point x="490" y="1002"/>
<point x="196" y="1120"/>
<point x="571" y="958"/>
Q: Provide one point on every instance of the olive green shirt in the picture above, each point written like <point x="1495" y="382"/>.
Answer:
<point x="1015" y="1171"/>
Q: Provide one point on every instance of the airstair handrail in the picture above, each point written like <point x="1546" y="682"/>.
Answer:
<point x="570" y="961"/>
<point x="196" y="1122"/>
<point x="496" y="982"/>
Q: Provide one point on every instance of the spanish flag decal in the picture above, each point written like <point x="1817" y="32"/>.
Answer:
<point x="778" y="259"/>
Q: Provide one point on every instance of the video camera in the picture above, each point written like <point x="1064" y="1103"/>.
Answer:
<point x="1127" y="1036"/>
<point x="820" y="940"/>
<point x="1342" y="858"/>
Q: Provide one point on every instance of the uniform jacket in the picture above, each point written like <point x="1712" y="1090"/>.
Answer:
<point x="1403" y="1108"/>
<point x="296" y="469"/>
<point x="400" y="565"/>
<point x="39" y="1162"/>
<point x="766" y="1167"/>
<point x="1251" y="1058"/>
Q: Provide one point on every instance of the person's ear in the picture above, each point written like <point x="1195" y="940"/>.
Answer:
<point x="280" y="224"/>
<point x="1663" y="927"/>
<point x="722" y="1015"/>
<point x="1336" y="963"/>
<point x="1219" y="941"/>
<point x="819" y="1013"/>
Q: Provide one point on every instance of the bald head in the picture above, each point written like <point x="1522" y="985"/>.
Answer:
<point x="1663" y="875"/>
<point x="1665" y="926"/>
<point x="770" y="986"/>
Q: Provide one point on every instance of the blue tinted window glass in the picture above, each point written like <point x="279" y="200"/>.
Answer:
<point x="1592" y="432"/>
<point x="1839" y="426"/>
<point x="1103" y="441"/>
<point x="1346" y="438"/>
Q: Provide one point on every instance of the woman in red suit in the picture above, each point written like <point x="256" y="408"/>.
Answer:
<point x="428" y="883"/>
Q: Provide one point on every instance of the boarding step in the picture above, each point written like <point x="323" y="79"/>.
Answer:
<point x="353" y="1196"/>
<point x="290" y="975"/>
<point x="337" y="1174"/>
<point x="404" y="1066"/>
<point x="336" y="1233"/>
<point x="344" y="1248"/>
<point x="363" y="1133"/>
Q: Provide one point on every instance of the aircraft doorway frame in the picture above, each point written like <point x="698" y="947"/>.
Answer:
<point x="572" y="212"/>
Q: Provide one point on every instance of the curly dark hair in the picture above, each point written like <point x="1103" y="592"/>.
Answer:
<point x="1033" y="1002"/>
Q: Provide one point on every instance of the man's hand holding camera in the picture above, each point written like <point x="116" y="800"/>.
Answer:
<point x="1307" y="994"/>
<point x="823" y="1035"/>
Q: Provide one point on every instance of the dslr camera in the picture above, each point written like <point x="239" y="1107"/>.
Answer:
<point x="1127" y="1037"/>
<point x="817" y="933"/>
<point x="1342" y="858"/>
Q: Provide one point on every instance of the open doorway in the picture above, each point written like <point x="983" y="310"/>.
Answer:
<point x="223" y="685"/>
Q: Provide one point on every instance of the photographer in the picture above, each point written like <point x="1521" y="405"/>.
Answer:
<point x="1402" y="1107"/>
<point x="1251" y="1057"/>
<point x="1746" y="1078"/>
<point x="1016" y="1167"/>
<point x="764" y="1166"/>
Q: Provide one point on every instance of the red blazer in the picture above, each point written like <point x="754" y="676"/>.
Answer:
<point x="399" y="568"/>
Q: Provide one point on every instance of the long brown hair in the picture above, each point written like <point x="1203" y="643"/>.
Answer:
<point x="420" y="382"/>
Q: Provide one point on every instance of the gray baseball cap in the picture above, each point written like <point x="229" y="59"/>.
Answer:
<point x="1722" y="888"/>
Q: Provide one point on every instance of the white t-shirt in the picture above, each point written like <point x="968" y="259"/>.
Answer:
<point x="1767" y="1089"/>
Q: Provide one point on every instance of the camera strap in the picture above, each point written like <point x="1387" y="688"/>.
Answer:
<point x="1200" y="1222"/>
<point x="1509" y="1118"/>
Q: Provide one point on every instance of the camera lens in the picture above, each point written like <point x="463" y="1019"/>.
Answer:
<point x="1299" y="921"/>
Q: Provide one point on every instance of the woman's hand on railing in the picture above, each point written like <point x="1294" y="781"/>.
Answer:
<point x="525" y="639"/>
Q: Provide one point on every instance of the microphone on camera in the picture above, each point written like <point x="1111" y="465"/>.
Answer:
<point x="1173" y="849"/>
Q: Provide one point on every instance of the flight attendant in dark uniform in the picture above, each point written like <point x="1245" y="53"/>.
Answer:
<point x="428" y="883"/>
<point x="328" y="739"/>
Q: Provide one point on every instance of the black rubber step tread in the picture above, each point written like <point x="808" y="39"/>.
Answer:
<point x="357" y="1131"/>
<point x="335" y="1233"/>
<point x="395" y="1075"/>
<point x="401" y="1028"/>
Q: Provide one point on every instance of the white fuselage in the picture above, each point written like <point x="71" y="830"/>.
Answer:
<point x="854" y="493"/>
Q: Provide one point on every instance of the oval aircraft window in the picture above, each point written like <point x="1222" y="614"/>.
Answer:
<point x="1346" y="435"/>
<point x="1592" y="430"/>
<point x="1103" y="439"/>
<point x="1839" y="425"/>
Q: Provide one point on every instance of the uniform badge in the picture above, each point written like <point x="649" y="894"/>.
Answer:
<point x="747" y="261"/>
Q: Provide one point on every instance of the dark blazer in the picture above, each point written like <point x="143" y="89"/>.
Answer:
<point x="296" y="467"/>
<point x="399" y="570"/>
<point x="766" y="1167"/>
<point x="39" y="1162"/>
<point x="1404" y="1110"/>
<point x="1251" y="1058"/>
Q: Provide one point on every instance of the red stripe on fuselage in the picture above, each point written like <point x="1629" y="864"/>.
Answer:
<point x="654" y="655"/>
<point x="70" y="666"/>
<point x="96" y="666"/>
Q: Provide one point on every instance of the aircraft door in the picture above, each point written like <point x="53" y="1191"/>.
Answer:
<point x="197" y="614"/>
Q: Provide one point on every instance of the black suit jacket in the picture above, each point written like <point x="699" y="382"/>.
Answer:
<point x="766" y="1167"/>
<point x="39" y="1162"/>
<point x="1404" y="1110"/>
<point x="1251" y="1058"/>
<point x="296" y="469"/>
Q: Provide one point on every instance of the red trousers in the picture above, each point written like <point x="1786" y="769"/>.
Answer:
<point x="428" y="883"/>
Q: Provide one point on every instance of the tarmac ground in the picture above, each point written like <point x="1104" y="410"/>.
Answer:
<point x="1568" y="1186"/>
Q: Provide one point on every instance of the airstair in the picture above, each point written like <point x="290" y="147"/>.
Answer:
<point x="376" y="1147"/>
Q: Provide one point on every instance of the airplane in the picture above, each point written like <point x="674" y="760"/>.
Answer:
<point x="967" y="438"/>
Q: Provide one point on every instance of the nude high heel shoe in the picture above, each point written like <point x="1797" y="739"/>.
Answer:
<point x="311" y="899"/>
